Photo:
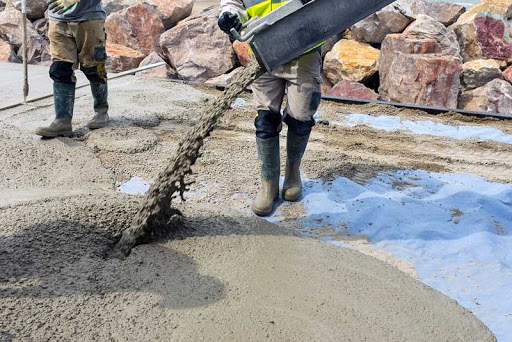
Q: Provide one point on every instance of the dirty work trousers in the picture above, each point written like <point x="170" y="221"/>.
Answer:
<point x="78" y="44"/>
<point x="302" y="80"/>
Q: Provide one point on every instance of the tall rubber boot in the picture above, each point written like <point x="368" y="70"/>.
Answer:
<point x="268" y="155"/>
<point x="295" y="146"/>
<point x="100" y="95"/>
<point x="64" y="100"/>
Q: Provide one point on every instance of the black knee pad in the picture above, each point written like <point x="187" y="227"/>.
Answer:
<point x="95" y="74"/>
<point x="268" y="124"/>
<point x="301" y="128"/>
<point x="62" y="72"/>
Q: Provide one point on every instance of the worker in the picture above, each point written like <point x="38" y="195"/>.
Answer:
<point x="301" y="79"/>
<point x="77" y="38"/>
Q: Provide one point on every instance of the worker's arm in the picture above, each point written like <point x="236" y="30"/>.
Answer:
<point x="233" y="6"/>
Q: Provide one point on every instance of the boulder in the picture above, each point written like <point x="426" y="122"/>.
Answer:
<point x="197" y="48"/>
<point x="351" y="61"/>
<point x="376" y="27"/>
<point x="35" y="8"/>
<point x="353" y="90"/>
<point x="507" y="74"/>
<point x="137" y="27"/>
<point x="122" y="58"/>
<point x="11" y="32"/>
<point x="326" y="84"/>
<point x="112" y="6"/>
<point x="495" y="97"/>
<point x="224" y="80"/>
<point x="41" y="26"/>
<point x="421" y="66"/>
<point x="445" y="12"/>
<point x="173" y="11"/>
<point x="329" y="43"/>
<point x="484" y="31"/>
<point x="164" y="71"/>
<point x="479" y="72"/>
<point x="243" y="52"/>
<point x="7" y="53"/>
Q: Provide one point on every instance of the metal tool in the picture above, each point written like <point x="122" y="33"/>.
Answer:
<point x="25" y="49"/>
<point x="299" y="25"/>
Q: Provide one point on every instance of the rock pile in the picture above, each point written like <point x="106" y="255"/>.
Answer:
<point x="412" y="51"/>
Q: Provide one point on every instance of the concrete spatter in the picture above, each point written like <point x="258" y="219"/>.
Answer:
<point x="233" y="278"/>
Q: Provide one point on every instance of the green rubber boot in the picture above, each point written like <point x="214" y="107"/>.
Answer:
<point x="268" y="155"/>
<point x="295" y="146"/>
<point x="100" y="95"/>
<point x="64" y="100"/>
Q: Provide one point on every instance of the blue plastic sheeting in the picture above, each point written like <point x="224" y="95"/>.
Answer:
<point x="427" y="127"/>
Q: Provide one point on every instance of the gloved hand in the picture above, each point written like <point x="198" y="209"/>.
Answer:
<point x="61" y="6"/>
<point x="228" y="20"/>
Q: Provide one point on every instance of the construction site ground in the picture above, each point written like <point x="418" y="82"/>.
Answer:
<point x="396" y="202"/>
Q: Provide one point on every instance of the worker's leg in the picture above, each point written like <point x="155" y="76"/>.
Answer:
<point x="92" y="55"/>
<point x="64" y="56"/>
<point x="304" y="96"/>
<point x="268" y="93"/>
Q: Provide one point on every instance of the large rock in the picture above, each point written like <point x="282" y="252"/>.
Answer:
<point x="122" y="58"/>
<point x="353" y="90"/>
<point x="224" y="80"/>
<point x="351" y="61"/>
<point x="197" y="48"/>
<point x="112" y="6"/>
<point x="7" y="53"/>
<point x="495" y="97"/>
<point x="479" y="72"/>
<point x="243" y="52"/>
<point x="138" y="27"/>
<point x="173" y="11"/>
<point x="10" y="31"/>
<point x="445" y="12"/>
<point x="421" y="66"/>
<point x="485" y="31"/>
<point x="164" y="71"/>
<point x="35" y="8"/>
<point x="376" y="27"/>
<point x="507" y="74"/>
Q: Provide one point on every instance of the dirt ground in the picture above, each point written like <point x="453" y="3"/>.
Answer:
<point x="231" y="276"/>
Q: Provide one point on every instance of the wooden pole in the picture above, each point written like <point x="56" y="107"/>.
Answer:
<point x="25" y="50"/>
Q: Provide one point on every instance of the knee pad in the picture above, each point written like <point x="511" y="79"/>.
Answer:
<point x="95" y="74"/>
<point x="62" y="72"/>
<point x="268" y="124"/>
<point x="301" y="128"/>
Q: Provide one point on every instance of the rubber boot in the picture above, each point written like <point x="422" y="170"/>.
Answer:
<point x="64" y="100"/>
<point x="100" y="95"/>
<point x="268" y="155"/>
<point x="295" y="146"/>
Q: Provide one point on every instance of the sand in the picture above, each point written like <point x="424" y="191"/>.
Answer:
<point x="227" y="275"/>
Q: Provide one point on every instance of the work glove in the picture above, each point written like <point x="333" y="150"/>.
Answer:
<point x="61" y="6"/>
<point x="228" y="20"/>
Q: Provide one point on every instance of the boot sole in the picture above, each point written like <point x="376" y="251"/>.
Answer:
<point x="54" y="135"/>
<point x="97" y="126"/>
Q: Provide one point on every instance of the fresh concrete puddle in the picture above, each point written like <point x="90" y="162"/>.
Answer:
<point x="455" y="229"/>
<point x="426" y="127"/>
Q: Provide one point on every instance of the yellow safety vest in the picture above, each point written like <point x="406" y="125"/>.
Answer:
<point x="260" y="8"/>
